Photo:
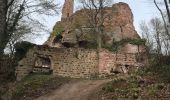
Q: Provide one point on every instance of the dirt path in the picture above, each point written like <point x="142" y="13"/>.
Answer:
<point x="74" y="91"/>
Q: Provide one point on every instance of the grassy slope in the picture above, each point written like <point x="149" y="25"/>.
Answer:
<point x="34" y="86"/>
<point x="144" y="85"/>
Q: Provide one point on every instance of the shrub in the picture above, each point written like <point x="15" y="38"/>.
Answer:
<point x="117" y="44"/>
<point x="108" y="88"/>
<point x="22" y="48"/>
<point x="30" y="83"/>
<point x="164" y="73"/>
<point x="58" y="29"/>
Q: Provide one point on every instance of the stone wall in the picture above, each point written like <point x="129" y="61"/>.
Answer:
<point x="110" y="62"/>
<point x="67" y="10"/>
<point x="25" y="66"/>
<point x="118" y="25"/>
<point x="73" y="62"/>
<point x="76" y="62"/>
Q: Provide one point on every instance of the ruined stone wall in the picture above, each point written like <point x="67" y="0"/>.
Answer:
<point x="76" y="62"/>
<point x="130" y="48"/>
<point x="107" y="61"/>
<point x="25" y="66"/>
<point x="118" y="25"/>
<point x="110" y="62"/>
<point x="73" y="62"/>
<point x="67" y="10"/>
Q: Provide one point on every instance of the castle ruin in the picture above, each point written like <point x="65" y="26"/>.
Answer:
<point x="65" y="55"/>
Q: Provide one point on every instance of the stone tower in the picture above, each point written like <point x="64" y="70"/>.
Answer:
<point x="67" y="10"/>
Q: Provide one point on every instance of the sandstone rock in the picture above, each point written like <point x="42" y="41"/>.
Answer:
<point x="118" y="25"/>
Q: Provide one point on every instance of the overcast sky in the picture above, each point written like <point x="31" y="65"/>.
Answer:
<point x="142" y="10"/>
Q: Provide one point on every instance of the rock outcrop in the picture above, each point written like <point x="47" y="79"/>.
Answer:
<point x="118" y="25"/>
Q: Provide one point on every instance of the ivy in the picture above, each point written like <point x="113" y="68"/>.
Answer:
<point x="138" y="42"/>
<point x="22" y="48"/>
<point x="58" y="29"/>
<point x="117" y="44"/>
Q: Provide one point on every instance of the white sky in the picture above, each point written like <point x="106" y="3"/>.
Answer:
<point x="142" y="10"/>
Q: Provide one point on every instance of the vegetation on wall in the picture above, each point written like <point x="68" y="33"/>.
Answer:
<point x="137" y="41"/>
<point x="58" y="29"/>
<point x="117" y="44"/>
<point x="22" y="48"/>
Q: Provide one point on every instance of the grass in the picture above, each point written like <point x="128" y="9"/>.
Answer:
<point x="34" y="86"/>
<point x="164" y="73"/>
<point x="143" y="85"/>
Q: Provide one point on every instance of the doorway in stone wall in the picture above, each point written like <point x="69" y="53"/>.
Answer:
<point x="42" y="65"/>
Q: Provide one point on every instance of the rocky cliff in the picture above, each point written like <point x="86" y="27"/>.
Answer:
<point x="75" y="30"/>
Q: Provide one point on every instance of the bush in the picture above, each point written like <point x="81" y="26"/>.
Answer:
<point x="118" y="44"/>
<point x="22" y="48"/>
<point x="58" y="29"/>
<point x="164" y="73"/>
<point x="108" y="88"/>
<point x="28" y="84"/>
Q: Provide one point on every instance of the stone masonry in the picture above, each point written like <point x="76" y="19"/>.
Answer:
<point x="77" y="62"/>
<point x="118" y="25"/>
<point x="67" y="10"/>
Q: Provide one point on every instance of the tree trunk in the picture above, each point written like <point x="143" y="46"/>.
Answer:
<point x="98" y="35"/>
<point x="165" y="24"/>
<point x="167" y="9"/>
<point x="3" y="35"/>
<point x="99" y="39"/>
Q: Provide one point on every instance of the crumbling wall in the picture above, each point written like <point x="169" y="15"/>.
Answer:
<point x="25" y="66"/>
<point x="68" y="8"/>
<point x="67" y="62"/>
<point x="109" y="62"/>
<point x="76" y="62"/>
<point x="118" y="24"/>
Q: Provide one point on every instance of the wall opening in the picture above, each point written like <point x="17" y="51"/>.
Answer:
<point x="68" y="45"/>
<point x="82" y="43"/>
<point x="57" y="39"/>
<point x="42" y="65"/>
<point x="115" y="71"/>
<point x="67" y="15"/>
<point x="43" y="62"/>
<point x="87" y="44"/>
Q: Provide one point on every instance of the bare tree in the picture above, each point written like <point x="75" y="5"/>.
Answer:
<point x="17" y="18"/>
<point x="155" y="34"/>
<point x="146" y="34"/>
<point x="163" y="18"/>
<point x="95" y="13"/>
<point x="20" y="20"/>
<point x="157" y="30"/>
<point x="3" y="6"/>
<point x="167" y="9"/>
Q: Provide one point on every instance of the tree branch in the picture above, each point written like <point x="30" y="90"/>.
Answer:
<point x="165" y="25"/>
